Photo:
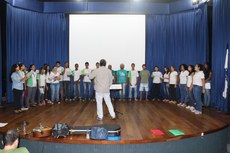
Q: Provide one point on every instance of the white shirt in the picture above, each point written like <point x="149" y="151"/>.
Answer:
<point x="86" y="72"/>
<point x="60" y="70"/>
<point x="197" y="78"/>
<point x="189" y="81"/>
<point x="133" y="74"/>
<point x="183" y="77"/>
<point x="77" y="75"/>
<point x="42" y="80"/>
<point x="157" y="77"/>
<point x="166" y="77"/>
<point x="22" y="75"/>
<point x="65" y="75"/>
<point x="173" y="77"/>
<point x="52" y="76"/>
<point x="47" y="77"/>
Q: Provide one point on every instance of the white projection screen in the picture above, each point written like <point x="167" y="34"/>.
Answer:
<point x="115" y="38"/>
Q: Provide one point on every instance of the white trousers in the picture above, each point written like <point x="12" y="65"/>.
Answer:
<point x="99" y="99"/>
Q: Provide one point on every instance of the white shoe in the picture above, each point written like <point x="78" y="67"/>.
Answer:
<point x="179" y="104"/>
<point x="188" y="107"/>
<point x="24" y="109"/>
<point x="198" y="112"/>
<point x="59" y="102"/>
<point x="183" y="105"/>
<point x="193" y="110"/>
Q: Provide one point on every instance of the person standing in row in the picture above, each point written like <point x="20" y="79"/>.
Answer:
<point x="103" y="81"/>
<point x="55" y="78"/>
<point x="173" y="84"/>
<point x="17" y="86"/>
<point x="86" y="81"/>
<point x="66" y="82"/>
<point x="166" y="84"/>
<point x="122" y="79"/>
<point x="22" y="73"/>
<point x="77" y="79"/>
<point x="190" y="102"/>
<point x="41" y="77"/>
<point x="144" y="85"/>
<point x="208" y="77"/>
<point x="47" y="86"/>
<point x="182" y="84"/>
<point x="60" y="70"/>
<point x="31" y="86"/>
<point x="133" y="78"/>
<point x="112" y="92"/>
<point x="156" y="86"/>
<point x="198" y="87"/>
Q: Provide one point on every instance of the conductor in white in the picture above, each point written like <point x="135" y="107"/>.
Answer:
<point x="103" y="80"/>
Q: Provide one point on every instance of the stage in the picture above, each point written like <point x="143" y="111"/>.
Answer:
<point x="136" y="122"/>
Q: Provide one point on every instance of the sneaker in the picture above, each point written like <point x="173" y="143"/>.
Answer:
<point x="179" y="104"/>
<point x="198" y="112"/>
<point x="99" y="119"/>
<point x="188" y="107"/>
<point x="59" y="102"/>
<point x="192" y="108"/>
<point x="24" y="109"/>
<point x="183" y="105"/>
<point x="113" y="118"/>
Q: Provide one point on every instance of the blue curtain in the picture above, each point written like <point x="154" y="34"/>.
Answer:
<point x="0" y="63"/>
<point x="177" y="38"/>
<point x="221" y="36"/>
<point x="35" y="38"/>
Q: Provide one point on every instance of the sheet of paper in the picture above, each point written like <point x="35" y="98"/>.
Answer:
<point x="176" y="132"/>
<point x="157" y="132"/>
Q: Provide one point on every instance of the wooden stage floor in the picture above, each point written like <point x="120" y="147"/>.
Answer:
<point x="136" y="122"/>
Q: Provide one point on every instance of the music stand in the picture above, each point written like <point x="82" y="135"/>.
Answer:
<point x="115" y="87"/>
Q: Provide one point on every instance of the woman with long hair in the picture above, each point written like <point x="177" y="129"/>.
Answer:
<point x="166" y="84"/>
<point x="173" y="84"/>
<point x="55" y="85"/>
<point x="182" y="84"/>
<point x="208" y="77"/>
<point x="190" y="102"/>
<point x="17" y="86"/>
<point x="47" y="86"/>
<point x="198" y="88"/>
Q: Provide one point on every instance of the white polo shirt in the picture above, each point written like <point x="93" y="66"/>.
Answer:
<point x="173" y="77"/>
<point x="183" y="77"/>
<point x="197" y="78"/>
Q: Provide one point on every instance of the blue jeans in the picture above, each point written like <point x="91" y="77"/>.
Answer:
<point x="197" y="92"/>
<point x="207" y="97"/>
<point x="166" y="90"/>
<point x="87" y="89"/>
<point x="190" y="101"/>
<point x="183" y="93"/>
<point x="77" y="90"/>
<point x="55" y="88"/>
<point x="23" y="99"/>
<point x="130" y="92"/>
<point x="122" y="92"/>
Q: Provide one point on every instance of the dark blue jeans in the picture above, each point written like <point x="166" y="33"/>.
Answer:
<point x="197" y="92"/>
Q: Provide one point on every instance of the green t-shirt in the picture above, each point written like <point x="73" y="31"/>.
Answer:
<point x="121" y="74"/>
<point x="144" y="74"/>
<point x="17" y="150"/>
